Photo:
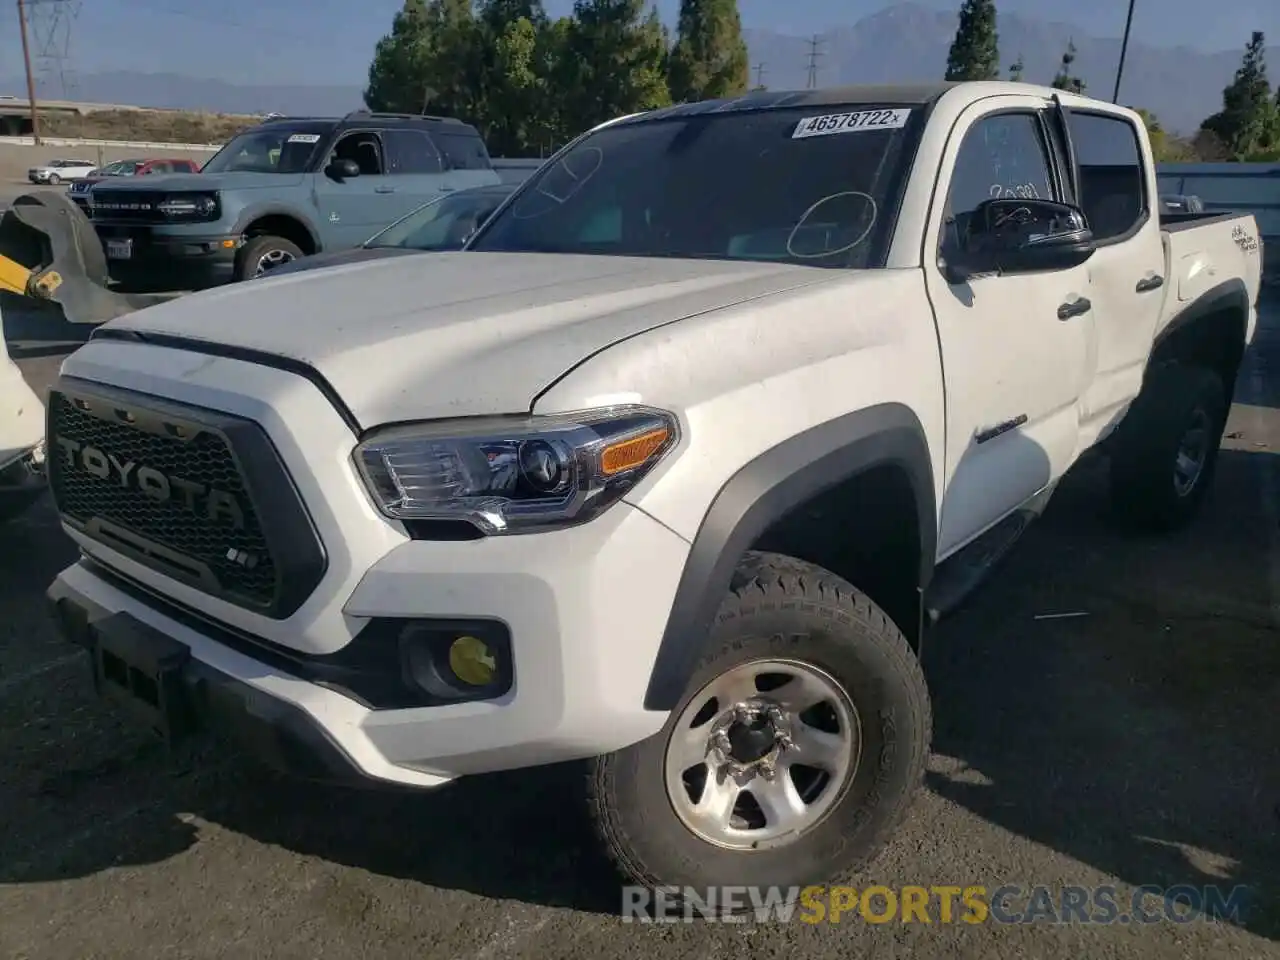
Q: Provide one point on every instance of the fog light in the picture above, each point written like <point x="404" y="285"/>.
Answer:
<point x="472" y="661"/>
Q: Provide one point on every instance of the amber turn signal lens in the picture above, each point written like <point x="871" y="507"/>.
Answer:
<point x="628" y="454"/>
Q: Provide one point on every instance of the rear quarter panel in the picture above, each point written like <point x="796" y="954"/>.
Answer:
<point x="1204" y="255"/>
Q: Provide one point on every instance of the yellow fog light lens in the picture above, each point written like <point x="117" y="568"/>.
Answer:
<point x="472" y="662"/>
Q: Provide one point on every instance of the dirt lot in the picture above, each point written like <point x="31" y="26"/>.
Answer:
<point x="1137" y="744"/>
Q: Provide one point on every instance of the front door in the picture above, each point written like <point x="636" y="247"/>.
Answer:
<point x="354" y="209"/>
<point x="1013" y="370"/>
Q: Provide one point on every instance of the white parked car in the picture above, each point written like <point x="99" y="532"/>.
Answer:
<point x="61" y="171"/>
<point x="668" y="471"/>
<point x="22" y="457"/>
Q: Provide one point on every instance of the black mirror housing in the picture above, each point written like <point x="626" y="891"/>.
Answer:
<point x="342" y="169"/>
<point x="1012" y="236"/>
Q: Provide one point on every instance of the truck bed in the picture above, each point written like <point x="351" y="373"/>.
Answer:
<point x="1211" y="260"/>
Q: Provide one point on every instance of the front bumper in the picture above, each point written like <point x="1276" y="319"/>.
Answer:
<point x="199" y="260"/>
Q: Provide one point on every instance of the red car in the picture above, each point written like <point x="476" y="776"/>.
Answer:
<point x="79" y="190"/>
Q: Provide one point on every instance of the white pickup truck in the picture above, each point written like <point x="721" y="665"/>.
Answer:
<point x="668" y="472"/>
<point x="22" y="426"/>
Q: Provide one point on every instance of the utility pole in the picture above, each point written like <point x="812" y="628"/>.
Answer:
<point x="814" y="54"/>
<point x="1124" y="49"/>
<point x="31" y="83"/>
<point x="760" y="75"/>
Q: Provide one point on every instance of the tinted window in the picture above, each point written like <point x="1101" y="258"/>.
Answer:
<point x="462" y="151"/>
<point x="410" y="151"/>
<point x="738" y="186"/>
<point x="1112" y="191"/>
<point x="1000" y="156"/>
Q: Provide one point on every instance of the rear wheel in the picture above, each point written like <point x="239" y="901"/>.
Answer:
<point x="262" y="254"/>
<point x="1165" y="454"/>
<point x="799" y="744"/>
<point x="54" y="179"/>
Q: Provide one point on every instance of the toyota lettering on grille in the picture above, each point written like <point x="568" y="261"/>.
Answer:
<point x="220" y="506"/>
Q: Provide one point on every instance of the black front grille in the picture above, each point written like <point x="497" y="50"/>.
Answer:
<point x="174" y="488"/>
<point x="139" y="206"/>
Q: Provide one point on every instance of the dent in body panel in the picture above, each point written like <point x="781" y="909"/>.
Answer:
<point x="745" y="379"/>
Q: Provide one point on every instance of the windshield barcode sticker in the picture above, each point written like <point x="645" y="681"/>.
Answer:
<point x="851" y="123"/>
<point x="305" y="138"/>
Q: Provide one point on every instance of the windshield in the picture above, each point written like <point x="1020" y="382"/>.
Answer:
<point x="275" y="149"/>
<point x="120" y="168"/>
<point x="806" y="186"/>
<point x="441" y="224"/>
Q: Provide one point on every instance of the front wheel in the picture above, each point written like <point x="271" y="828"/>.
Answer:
<point x="800" y="742"/>
<point x="262" y="254"/>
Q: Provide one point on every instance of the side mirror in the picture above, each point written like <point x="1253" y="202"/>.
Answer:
<point x="1011" y="236"/>
<point x="343" y="169"/>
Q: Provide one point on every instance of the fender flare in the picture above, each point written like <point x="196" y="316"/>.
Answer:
<point x="765" y="490"/>
<point x="256" y="212"/>
<point x="1230" y="295"/>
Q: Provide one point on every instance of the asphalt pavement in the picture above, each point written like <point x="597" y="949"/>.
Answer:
<point x="1133" y="742"/>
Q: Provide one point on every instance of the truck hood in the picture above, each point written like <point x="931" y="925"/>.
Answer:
<point x="457" y="334"/>
<point x="180" y="182"/>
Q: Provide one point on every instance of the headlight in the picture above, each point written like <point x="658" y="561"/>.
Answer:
<point x="188" y="205"/>
<point x="513" y="474"/>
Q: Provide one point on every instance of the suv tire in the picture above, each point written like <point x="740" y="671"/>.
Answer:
<point x="1166" y="451"/>
<point x="262" y="248"/>
<point x="825" y="635"/>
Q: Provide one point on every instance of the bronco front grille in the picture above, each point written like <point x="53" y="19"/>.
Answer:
<point x="199" y="496"/>
<point x="134" y="205"/>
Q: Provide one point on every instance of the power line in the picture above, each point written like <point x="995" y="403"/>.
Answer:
<point x="759" y="68"/>
<point x="814" y="54"/>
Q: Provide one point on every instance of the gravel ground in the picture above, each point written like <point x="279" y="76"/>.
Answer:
<point x="1136" y="744"/>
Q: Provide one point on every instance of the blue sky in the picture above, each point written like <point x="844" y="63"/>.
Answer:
<point x="330" y="41"/>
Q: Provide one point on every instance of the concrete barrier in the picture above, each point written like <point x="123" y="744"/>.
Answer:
<point x="127" y="144"/>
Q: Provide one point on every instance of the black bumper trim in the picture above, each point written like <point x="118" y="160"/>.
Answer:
<point x="277" y="733"/>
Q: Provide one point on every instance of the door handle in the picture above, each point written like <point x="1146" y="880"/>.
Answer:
<point x="1149" y="283"/>
<point x="1074" y="308"/>
<point x="384" y="189"/>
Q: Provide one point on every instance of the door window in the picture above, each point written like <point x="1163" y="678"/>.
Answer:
<point x="365" y="149"/>
<point x="1001" y="156"/>
<point x="1112" y="184"/>
<point x="462" y="152"/>
<point x="411" y="151"/>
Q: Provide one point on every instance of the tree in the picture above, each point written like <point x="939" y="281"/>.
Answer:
<point x="710" y="57"/>
<point x="615" y="62"/>
<point x="398" y="73"/>
<point x="1015" y="71"/>
<point x="1249" y="122"/>
<point x="1165" y="148"/>
<point x="1065" y="79"/>
<point x="975" y="53"/>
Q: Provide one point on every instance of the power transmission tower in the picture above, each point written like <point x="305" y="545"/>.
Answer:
<point x="814" y="53"/>
<point x="51" y="23"/>
<point x="759" y="76"/>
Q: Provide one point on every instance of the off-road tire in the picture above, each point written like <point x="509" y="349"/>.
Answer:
<point x="779" y="607"/>
<point x="257" y="248"/>
<point x="1145" y="449"/>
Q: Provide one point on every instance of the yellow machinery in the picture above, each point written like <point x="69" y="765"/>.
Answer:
<point x="49" y="251"/>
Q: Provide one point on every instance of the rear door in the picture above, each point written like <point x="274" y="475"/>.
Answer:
<point x="415" y="166"/>
<point x="1119" y="197"/>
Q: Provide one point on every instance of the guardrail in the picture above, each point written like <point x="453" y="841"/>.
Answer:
<point x="127" y="144"/>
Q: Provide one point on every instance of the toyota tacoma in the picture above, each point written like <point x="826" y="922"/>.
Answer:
<point x="667" y="473"/>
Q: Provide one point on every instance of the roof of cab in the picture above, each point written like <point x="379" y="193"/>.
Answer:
<point x="905" y="94"/>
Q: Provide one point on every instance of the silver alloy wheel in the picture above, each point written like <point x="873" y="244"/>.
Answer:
<point x="54" y="179"/>
<point x="762" y="754"/>
<point x="270" y="260"/>
<point x="1193" y="453"/>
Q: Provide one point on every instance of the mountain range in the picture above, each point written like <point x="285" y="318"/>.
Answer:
<point x="903" y="42"/>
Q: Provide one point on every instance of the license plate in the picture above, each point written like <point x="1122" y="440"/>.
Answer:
<point x="141" y="669"/>
<point x="119" y="249"/>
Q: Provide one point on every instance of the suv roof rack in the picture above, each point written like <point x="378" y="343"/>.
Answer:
<point x="401" y="116"/>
